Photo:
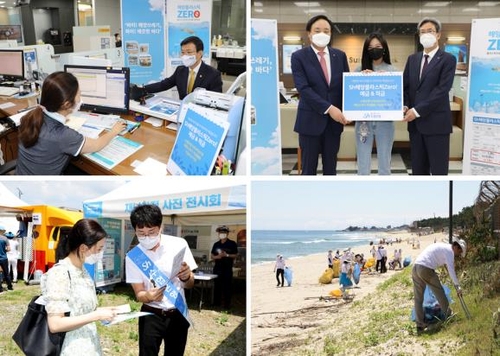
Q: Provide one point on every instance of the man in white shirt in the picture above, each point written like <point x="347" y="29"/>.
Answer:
<point x="424" y="274"/>
<point x="166" y="323"/>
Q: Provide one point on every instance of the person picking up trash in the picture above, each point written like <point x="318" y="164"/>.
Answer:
<point x="424" y="274"/>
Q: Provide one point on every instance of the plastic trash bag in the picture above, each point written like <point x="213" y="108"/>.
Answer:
<point x="432" y="309"/>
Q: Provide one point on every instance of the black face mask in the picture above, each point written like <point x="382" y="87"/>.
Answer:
<point x="375" y="53"/>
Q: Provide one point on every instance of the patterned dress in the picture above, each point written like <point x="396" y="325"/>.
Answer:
<point x="77" y="296"/>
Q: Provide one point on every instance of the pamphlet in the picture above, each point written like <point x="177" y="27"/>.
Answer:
<point x="124" y="313"/>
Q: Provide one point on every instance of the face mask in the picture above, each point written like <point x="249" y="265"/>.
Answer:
<point x="222" y="236"/>
<point x="94" y="258"/>
<point x="188" y="61"/>
<point x="149" y="242"/>
<point x="375" y="53"/>
<point x="321" y="39"/>
<point x="428" y="40"/>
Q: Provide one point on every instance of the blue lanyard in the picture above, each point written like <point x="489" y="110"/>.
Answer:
<point x="149" y="269"/>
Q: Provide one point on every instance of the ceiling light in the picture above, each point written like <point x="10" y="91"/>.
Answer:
<point x="258" y="3"/>
<point x="471" y="9"/>
<point x="292" y="38"/>
<point x="437" y="3"/>
<point x="310" y="11"/>
<point x="488" y="3"/>
<point x="306" y="4"/>
<point x="427" y="11"/>
<point x="258" y="10"/>
<point x="456" y="38"/>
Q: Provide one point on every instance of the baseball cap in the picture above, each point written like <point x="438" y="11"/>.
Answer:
<point x="222" y="228"/>
<point x="9" y="235"/>
<point x="463" y="246"/>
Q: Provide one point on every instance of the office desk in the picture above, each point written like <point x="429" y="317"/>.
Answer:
<point x="158" y="143"/>
<point x="8" y="137"/>
<point x="205" y="281"/>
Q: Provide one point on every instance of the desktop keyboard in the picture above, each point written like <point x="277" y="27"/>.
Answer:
<point x="8" y="91"/>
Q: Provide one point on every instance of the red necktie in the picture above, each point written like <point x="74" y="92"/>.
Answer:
<point x="426" y="62"/>
<point x="322" y="62"/>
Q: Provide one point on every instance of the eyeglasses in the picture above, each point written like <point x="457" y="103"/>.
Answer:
<point x="188" y="53"/>
<point x="141" y="236"/>
<point x="421" y="32"/>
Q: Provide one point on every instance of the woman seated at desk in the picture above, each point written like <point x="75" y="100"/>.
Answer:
<point x="45" y="143"/>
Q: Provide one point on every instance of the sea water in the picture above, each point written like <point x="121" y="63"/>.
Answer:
<point x="266" y="244"/>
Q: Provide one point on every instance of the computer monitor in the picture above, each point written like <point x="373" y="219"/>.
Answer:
<point x="103" y="89"/>
<point x="12" y="67"/>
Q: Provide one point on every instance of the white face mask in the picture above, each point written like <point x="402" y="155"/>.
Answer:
<point x="321" y="39"/>
<point x="188" y="61"/>
<point x="222" y="236"/>
<point x="428" y="40"/>
<point x="149" y="242"/>
<point x="94" y="258"/>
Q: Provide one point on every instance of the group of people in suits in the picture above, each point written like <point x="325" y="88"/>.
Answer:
<point x="427" y="79"/>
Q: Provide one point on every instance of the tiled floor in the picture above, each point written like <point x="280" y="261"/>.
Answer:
<point x="400" y="165"/>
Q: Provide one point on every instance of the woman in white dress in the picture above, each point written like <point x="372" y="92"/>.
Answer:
<point x="67" y="287"/>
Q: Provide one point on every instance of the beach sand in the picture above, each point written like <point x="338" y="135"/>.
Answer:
<point x="272" y="328"/>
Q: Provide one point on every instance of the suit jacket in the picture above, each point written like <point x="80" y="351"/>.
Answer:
<point x="316" y="95"/>
<point x="207" y="77"/>
<point x="429" y="95"/>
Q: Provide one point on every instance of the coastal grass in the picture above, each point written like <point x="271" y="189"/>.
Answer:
<point x="215" y="332"/>
<point x="387" y="325"/>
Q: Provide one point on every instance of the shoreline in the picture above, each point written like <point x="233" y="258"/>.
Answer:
<point x="354" y="245"/>
<point x="271" y="306"/>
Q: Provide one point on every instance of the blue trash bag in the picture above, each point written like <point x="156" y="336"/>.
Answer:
<point x="288" y="276"/>
<point x="407" y="261"/>
<point x="356" y="274"/>
<point x="432" y="309"/>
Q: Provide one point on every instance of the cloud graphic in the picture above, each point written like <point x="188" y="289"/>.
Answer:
<point x="266" y="160"/>
<point x="156" y="5"/>
<point x="265" y="29"/>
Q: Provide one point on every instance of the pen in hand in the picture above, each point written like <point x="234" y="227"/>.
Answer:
<point x="132" y="130"/>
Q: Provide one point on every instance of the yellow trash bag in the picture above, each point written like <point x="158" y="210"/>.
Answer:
<point x="370" y="262"/>
<point x="326" y="277"/>
<point x="336" y="268"/>
<point x="337" y="293"/>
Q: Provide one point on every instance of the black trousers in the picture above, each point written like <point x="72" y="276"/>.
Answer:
<point x="153" y="329"/>
<point x="223" y="287"/>
<point x="5" y="267"/>
<point x="280" y="272"/>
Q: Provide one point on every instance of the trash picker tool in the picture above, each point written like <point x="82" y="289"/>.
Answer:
<point x="464" y="307"/>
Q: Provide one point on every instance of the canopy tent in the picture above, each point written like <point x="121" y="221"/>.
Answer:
<point x="185" y="201"/>
<point x="8" y="201"/>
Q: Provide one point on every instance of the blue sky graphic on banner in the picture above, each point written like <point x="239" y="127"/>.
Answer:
<point x="266" y="138"/>
<point x="187" y="18"/>
<point x="143" y="37"/>
<point x="482" y="114"/>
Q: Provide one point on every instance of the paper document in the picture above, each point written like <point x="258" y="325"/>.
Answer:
<point x="151" y="167"/>
<point x="115" y="152"/>
<point x="124" y="313"/>
<point x="17" y="117"/>
<point x="176" y="264"/>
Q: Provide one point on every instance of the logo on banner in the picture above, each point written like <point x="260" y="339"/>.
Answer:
<point x="187" y="12"/>
<point x="92" y="210"/>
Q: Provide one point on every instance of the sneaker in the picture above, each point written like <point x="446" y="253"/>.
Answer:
<point x="10" y="288"/>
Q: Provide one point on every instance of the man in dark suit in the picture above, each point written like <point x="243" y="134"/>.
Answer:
<point x="204" y="76"/>
<point x="427" y="80"/>
<point x="317" y="74"/>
